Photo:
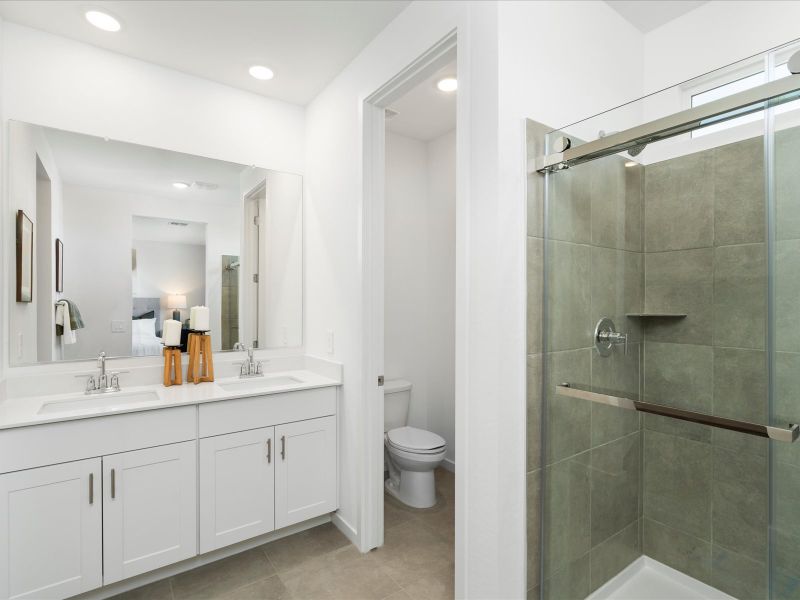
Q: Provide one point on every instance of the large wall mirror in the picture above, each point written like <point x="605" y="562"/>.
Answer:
<point x="129" y="236"/>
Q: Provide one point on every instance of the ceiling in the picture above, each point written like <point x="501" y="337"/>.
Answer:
<point x="425" y="113"/>
<point x="95" y="162"/>
<point x="154" y="229"/>
<point x="306" y="43"/>
<point x="647" y="15"/>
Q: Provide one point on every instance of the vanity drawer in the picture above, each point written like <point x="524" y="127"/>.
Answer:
<point x="51" y="443"/>
<point x="229" y="416"/>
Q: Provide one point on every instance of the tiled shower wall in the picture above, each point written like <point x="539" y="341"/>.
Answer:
<point x="591" y="457"/>
<point x="686" y="236"/>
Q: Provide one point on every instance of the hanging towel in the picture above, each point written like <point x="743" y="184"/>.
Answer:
<point x="63" y="324"/>
<point x="75" y="319"/>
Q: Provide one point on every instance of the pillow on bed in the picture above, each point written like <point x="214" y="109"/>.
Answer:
<point x="150" y="314"/>
<point x="144" y="327"/>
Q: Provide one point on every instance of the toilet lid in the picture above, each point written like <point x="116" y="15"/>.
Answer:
<point x="415" y="440"/>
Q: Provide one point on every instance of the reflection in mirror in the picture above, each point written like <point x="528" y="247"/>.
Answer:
<point x="145" y="234"/>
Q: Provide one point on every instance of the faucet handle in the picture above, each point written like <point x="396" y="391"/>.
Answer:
<point x="115" y="381"/>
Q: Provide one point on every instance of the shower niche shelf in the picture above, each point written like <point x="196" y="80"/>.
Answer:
<point x="655" y="315"/>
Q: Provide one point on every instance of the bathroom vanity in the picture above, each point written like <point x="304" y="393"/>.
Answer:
<point x="96" y="489"/>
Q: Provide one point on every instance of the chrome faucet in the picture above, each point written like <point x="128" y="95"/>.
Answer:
<point x="606" y="337"/>
<point x="105" y="382"/>
<point x="250" y="367"/>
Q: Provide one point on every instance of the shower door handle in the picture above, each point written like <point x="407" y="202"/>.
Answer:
<point x="779" y="434"/>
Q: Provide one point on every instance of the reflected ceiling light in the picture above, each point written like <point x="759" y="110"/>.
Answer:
<point x="180" y="185"/>
<point x="261" y="72"/>
<point x="631" y="163"/>
<point x="447" y="84"/>
<point x="103" y="20"/>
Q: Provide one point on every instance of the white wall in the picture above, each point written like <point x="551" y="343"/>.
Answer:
<point x="26" y="143"/>
<point x="98" y="238"/>
<point x="420" y="278"/>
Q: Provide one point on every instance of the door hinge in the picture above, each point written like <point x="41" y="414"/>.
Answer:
<point x="255" y="220"/>
<point x="255" y="277"/>
<point x="380" y="380"/>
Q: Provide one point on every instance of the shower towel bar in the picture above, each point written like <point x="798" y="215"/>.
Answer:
<point x="779" y="434"/>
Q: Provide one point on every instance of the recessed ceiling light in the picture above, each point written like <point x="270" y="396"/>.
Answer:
<point x="261" y="72"/>
<point x="180" y="185"/>
<point x="103" y="20"/>
<point x="447" y="84"/>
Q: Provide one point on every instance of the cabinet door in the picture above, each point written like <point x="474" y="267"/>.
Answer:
<point x="305" y="471"/>
<point x="51" y="531"/>
<point x="237" y="487"/>
<point x="149" y="509"/>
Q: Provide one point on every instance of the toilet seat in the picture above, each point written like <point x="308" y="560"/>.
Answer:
<point x="415" y="441"/>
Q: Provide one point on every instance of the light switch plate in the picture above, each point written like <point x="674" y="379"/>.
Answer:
<point x="117" y="326"/>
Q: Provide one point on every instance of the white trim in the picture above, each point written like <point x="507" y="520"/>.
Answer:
<point x="346" y="528"/>
<point x="200" y="560"/>
<point x="372" y="257"/>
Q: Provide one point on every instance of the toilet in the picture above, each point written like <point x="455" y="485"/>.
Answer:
<point x="412" y="454"/>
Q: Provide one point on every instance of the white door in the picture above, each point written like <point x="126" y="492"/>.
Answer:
<point x="149" y="509"/>
<point x="305" y="470"/>
<point x="51" y="531"/>
<point x="237" y="487"/>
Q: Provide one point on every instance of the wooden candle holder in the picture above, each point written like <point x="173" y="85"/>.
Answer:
<point x="173" y="371"/>
<point x="201" y="360"/>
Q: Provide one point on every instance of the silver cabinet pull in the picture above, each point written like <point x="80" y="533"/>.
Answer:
<point x="269" y="450"/>
<point x="283" y="447"/>
<point x="91" y="488"/>
<point x="113" y="483"/>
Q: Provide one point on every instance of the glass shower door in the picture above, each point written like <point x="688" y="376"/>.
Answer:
<point x="671" y="356"/>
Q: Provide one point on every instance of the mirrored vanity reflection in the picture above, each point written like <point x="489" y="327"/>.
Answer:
<point x="128" y="236"/>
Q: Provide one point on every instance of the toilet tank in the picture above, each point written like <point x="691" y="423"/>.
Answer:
<point x="396" y="399"/>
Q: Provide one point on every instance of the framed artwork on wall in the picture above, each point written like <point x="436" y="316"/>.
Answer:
<point x="24" y="258"/>
<point x="59" y="265"/>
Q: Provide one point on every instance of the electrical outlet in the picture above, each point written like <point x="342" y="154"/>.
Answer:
<point x="117" y="326"/>
<point x="330" y="341"/>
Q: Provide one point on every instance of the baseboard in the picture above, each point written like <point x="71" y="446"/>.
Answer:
<point x="450" y="465"/>
<point x="347" y="530"/>
<point x="198" y="561"/>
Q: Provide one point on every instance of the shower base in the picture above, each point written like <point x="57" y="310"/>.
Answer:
<point x="648" y="579"/>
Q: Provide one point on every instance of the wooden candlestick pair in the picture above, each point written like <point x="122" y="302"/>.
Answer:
<point x="201" y="360"/>
<point x="173" y="371"/>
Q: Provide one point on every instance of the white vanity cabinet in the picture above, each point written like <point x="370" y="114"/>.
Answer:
<point x="305" y="473"/>
<point x="51" y="531"/>
<point x="237" y="487"/>
<point x="149" y="509"/>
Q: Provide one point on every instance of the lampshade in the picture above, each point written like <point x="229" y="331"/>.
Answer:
<point x="176" y="301"/>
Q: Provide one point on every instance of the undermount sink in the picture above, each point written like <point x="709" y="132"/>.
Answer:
<point x="114" y="399"/>
<point x="259" y="383"/>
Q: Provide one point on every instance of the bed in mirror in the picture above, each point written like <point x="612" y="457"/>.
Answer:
<point x="144" y="234"/>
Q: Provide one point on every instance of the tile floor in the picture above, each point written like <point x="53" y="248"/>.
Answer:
<point x="416" y="563"/>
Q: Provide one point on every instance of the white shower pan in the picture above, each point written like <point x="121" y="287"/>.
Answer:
<point x="648" y="579"/>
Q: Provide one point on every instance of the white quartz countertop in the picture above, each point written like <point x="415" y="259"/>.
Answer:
<point x="21" y="412"/>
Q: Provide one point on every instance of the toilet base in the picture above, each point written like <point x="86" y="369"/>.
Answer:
<point x="413" y="488"/>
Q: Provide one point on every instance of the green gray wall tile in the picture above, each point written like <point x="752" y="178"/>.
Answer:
<point x="787" y="292"/>
<point x="616" y="204"/>
<point x="787" y="407"/>
<point x="568" y="419"/>
<point x="738" y="575"/>
<point x="617" y="288"/>
<point x="568" y="296"/>
<point x="677" y="549"/>
<point x="566" y="513"/>
<point x="534" y="412"/>
<point x="533" y="516"/>
<point x="614" y="554"/>
<point x="615" y="487"/>
<point x="787" y="183"/>
<point x="677" y="483"/>
<point x="678" y="203"/>
<point x="570" y="583"/>
<point x="739" y="201"/>
<point x="535" y="260"/>
<point x="680" y="282"/>
<point x="740" y="296"/>
<point x="569" y="209"/>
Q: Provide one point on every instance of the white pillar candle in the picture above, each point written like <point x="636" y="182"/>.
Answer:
<point x="201" y="319"/>
<point x="192" y="311"/>
<point x="172" y="333"/>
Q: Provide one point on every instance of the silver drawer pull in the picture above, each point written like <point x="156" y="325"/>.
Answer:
<point x="113" y="483"/>
<point x="269" y="450"/>
<point x="283" y="447"/>
<point x="91" y="488"/>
